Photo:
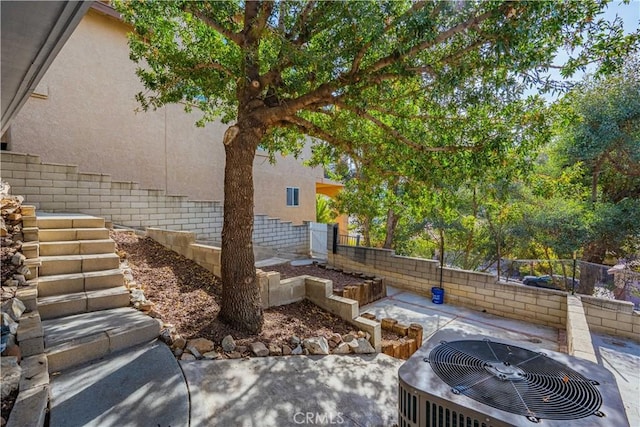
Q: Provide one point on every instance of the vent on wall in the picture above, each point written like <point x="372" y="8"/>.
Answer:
<point x="477" y="382"/>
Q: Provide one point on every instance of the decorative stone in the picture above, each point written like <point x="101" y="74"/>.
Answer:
<point x="20" y="279"/>
<point x="274" y="350"/>
<point x="165" y="337"/>
<point x="178" y="352"/>
<point x="335" y="338"/>
<point x="211" y="355"/>
<point x="342" y="348"/>
<point x="179" y="342"/>
<point x="194" y="351"/>
<point x="234" y="355"/>
<point x="14" y="307"/>
<point x="8" y="321"/>
<point x="348" y="337"/>
<point x="137" y="296"/>
<point x="228" y="344"/>
<point x="202" y="345"/>
<point x="298" y="350"/>
<point x="187" y="356"/>
<point x="18" y="258"/>
<point x="364" y="347"/>
<point x="286" y="350"/>
<point x="316" y="345"/>
<point x="259" y="349"/>
<point x="11" y="373"/>
<point x="24" y="270"/>
<point x="12" y="351"/>
<point x="242" y="349"/>
<point x="294" y="340"/>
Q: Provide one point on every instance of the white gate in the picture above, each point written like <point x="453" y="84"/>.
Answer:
<point x="318" y="240"/>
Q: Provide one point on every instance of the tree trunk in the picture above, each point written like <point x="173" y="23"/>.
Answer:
<point x="241" y="303"/>
<point x="392" y="222"/>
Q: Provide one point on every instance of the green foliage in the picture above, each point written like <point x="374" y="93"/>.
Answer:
<point x="324" y="211"/>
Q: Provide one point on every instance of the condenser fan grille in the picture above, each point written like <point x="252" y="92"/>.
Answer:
<point x="515" y="380"/>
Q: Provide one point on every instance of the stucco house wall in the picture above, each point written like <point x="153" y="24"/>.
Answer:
<point x="84" y="113"/>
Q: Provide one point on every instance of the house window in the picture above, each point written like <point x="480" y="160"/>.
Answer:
<point x="293" y="196"/>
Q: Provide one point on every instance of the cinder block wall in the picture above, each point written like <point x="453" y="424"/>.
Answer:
<point x="61" y="188"/>
<point x="612" y="317"/>
<point x="466" y="288"/>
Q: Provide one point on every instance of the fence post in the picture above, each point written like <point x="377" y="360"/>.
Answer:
<point x="358" y="240"/>
<point x="334" y="243"/>
<point x="573" y="280"/>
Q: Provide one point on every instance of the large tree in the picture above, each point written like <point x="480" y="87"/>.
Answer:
<point x="415" y="72"/>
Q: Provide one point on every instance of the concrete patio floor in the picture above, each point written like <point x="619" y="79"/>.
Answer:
<point x="146" y="386"/>
<point x="362" y="390"/>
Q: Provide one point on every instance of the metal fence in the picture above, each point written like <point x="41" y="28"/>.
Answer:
<point x="619" y="282"/>
<point x="349" y="239"/>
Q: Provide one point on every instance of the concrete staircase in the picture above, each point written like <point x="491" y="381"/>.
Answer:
<point x="82" y="300"/>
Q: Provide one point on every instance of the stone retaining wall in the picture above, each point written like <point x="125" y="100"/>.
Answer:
<point x="61" y="188"/>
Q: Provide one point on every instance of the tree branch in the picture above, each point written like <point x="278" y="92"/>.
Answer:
<point x="236" y="38"/>
<point x="355" y="66"/>
<point x="472" y="22"/>
<point x="212" y="66"/>
<point x="398" y="136"/>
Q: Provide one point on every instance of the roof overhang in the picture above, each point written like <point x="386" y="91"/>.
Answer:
<point x="33" y="32"/>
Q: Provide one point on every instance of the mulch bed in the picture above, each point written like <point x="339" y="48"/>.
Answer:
<point x="340" y="280"/>
<point x="188" y="296"/>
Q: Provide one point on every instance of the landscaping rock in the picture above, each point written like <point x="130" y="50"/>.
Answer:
<point x="259" y="349"/>
<point x="364" y="347"/>
<point x="211" y="355"/>
<point x="348" y="338"/>
<point x="294" y="340"/>
<point x="242" y="349"/>
<point x="274" y="350"/>
<point x="335" y="338"/>
<point x="194" y="351"/>
<point x="14" y="308"/>
<point x="18" y="258"/>
<point x="316" y="345"/>
<point x="342" y="348"/>
<point x="10" y="323"/>
<point x="178" y="352"/>
<point x="234" y="355"/>
<point x="187" y="356"/>
<point x="201" y="344"/>
<point x="286" y="350"/>
<point x="228" y="344"/>
<point x="179" y="342"/>
<point x="165" y="337"/>
<point x="11" y="373"/>
<point x="298" y="350"/>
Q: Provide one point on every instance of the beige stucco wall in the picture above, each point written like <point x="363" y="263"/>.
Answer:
<point x="83" y="113"/>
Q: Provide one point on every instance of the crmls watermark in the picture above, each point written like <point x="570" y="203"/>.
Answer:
<point x="318" y="418"/>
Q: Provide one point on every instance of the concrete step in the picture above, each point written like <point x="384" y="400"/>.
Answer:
<point x="67" y="234"/>
<point x="142" y="386"/>
<point x="79" y="282"/>
<point x="57" y="306"/>
<point x="68" y="264"/>
<point x="73" y="340"/>
<point x="68" y="221"/>
<point x="77" y="247"/>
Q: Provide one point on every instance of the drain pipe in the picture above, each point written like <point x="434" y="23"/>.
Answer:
<point x="441" y="255"/>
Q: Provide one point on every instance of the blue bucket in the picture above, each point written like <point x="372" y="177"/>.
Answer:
<point x="437" y="295"/>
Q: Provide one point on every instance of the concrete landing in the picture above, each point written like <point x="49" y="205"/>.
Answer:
<point x="293" y="391"/>
<point x="142" y="386"/>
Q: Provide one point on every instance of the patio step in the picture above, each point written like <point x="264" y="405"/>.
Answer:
<point x="56" y="306"/>
<point x="73" y="340"/>
<point x="69" y="264"/>
<point x="68" y="234"/>
<point x="77" y="247"/>
<point x="79" y="282"/>
<point x="69" y="221"/>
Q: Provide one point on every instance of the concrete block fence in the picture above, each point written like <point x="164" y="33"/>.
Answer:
<point x="62" y="188"/>
<point x="484" y="292"/>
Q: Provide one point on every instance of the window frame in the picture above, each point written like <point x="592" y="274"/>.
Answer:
<point x="295" y="197"/>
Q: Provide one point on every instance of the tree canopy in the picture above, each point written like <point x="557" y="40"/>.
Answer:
<point x="424" y="89"/>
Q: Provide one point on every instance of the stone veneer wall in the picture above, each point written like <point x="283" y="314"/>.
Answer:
<point x="61" y="188"/>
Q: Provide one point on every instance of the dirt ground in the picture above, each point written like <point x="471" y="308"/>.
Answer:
<point x="188" y="296"/>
